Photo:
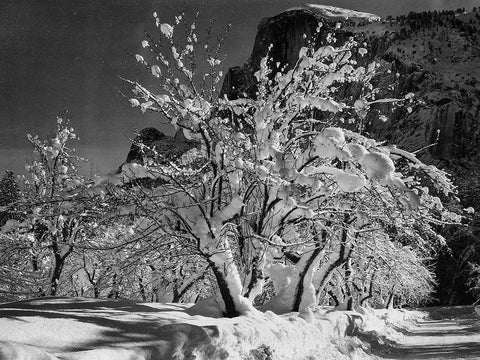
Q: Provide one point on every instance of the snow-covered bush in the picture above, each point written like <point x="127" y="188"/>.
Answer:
<point x="281" y="190"/>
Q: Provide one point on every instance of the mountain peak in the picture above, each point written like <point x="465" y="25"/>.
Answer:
<point x="150" y="140"/>
<point x="336" y="13"/>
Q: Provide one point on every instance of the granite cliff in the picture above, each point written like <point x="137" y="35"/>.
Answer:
<point x="150" y="139"/>
<point x="434" y="55"/>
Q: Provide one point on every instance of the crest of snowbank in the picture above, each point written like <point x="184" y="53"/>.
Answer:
<point x="254" y="335"/>
<point x="166" y="331"/>
<point x="16" y="351"/>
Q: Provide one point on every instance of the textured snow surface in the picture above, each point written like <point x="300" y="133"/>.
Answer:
<point x="336" y="12"/>
<point x="94" y="329"/>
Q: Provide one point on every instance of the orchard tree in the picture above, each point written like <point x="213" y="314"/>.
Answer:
<point x="383" y="271"/>
<point x="56" y="205"/>
<point x="22" y="274"/>
<point x="279" y="189"/>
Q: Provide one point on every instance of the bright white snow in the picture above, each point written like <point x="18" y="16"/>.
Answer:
<point x="95" y="329"/>
<point x="340" y="13"/>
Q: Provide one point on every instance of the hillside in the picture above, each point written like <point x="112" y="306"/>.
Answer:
<point x="436" y="55"/>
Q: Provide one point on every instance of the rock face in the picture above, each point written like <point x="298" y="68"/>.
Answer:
<point x="151" y="139"/>
<point x="288" y="32"/>
<point x="435" y="55"/>
<point x="436" y="62"/>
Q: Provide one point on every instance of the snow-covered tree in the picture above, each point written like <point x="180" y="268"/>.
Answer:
<point x="120" y="259"/>
<point x="383" y="271"/>
<point x="284" y="187"/>
<point x="55" y="208"/>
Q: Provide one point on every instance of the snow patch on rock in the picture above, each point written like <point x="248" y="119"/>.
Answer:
<point x="340" y="13"/>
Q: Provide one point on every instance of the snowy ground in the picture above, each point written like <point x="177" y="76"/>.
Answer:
<point x="93" y="329"/>
<point x="448" y="333"/>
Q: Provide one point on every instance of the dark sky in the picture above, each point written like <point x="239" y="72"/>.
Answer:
<point x="67" y="55"/>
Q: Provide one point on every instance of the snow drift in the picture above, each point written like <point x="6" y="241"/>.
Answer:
<point x="94" y="329"/>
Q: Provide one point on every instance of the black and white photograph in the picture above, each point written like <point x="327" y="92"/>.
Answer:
<point x="239" y="179"/>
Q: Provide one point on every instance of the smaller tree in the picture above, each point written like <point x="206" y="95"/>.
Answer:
<point x="56" y="205"/>
<point x="9" y="194"/>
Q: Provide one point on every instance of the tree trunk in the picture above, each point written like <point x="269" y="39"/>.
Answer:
<point x="341" y="253"/>
<point x="142" y="289"/>
<point x="333" y="297"/>
<point x="179" y="292"/>
<point x="220" y="258"/>
<point x="114" y="293"/>
<point x="72" y="283"/>
<point x="305" y="280"/>
<point x="230" y="308"/>
<point x="176" y="294"/>
<point x="57" y="272"/>
<point x="96" y="291"/>
<point x="58" y="268"/>
<point x="348" y="283"/>
<point x="299" y="293"/>
<point x="257" y="277"/>
<point x="391" y="297"/>
<point x="60" y="254"/>
<point x="370" y="291"/>
<point x="34" y="262"/>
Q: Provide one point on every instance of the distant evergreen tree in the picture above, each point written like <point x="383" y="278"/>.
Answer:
<point x="9" y="193"/>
